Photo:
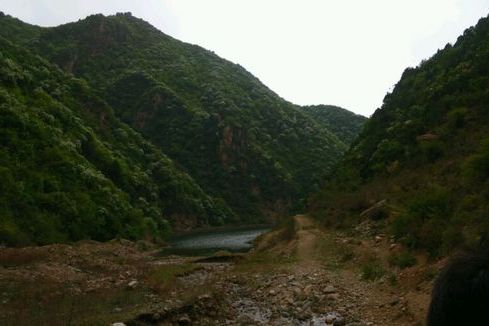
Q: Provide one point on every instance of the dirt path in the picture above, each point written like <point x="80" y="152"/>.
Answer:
<point x="306" y="234"/>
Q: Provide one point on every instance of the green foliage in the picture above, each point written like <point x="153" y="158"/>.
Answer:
<point x="72" y="169"/>
<point x="372" y="271"/>
<point x="432" y="129"/>
<point x="477" y="165"/>
<point x="426" y="218"/>
<point x="69" y="170"/>
<point x="235" y="137"/>
<point x="344" y="124"/>
<point x="402" y="260"/>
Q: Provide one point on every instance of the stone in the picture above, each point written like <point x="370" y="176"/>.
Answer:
<point x="132" y="284"/>
<point x="376" y="212"/>
<point x="204" y="297"/>
<point x="330" y="318"/>
<point x="118" y="324"/>
<point x="333" y="296"/>
<point x="307" y="290"/>
<point x="329" y="289"/>
<point x="184" y="320"/>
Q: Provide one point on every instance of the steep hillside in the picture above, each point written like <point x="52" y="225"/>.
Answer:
<point x="345" y="124"/>
<point x="238" y="139"/>
<point x="70" y="170"/>
<point x="425" y="152"/>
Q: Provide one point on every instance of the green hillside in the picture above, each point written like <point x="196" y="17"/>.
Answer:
<point x="239" y="140"/>
<point x="138" y="131"/>
<point x="345" y="124"/>
<point x="425" y="152"/>
<point x="70" y="170"/>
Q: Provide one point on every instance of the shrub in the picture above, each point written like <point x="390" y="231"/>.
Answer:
<point x="476" y="166"/>
<point x="372" y="271"/>
<point x="423" y="223"/>
<point x="402" y="260"/>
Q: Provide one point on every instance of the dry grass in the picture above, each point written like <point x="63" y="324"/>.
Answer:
<point x="163" y="277"/>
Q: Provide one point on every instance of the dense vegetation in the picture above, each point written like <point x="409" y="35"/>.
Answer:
<point x="426" y="152"/>
<point x="84" y="148"/>
<point x="345" y="124"/>
<point x="69" y="170"/>
<point x="239" y="140"/>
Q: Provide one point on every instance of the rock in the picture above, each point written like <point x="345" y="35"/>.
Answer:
<point x="117" y="309"/>
<point x="377" y="211"/>
<point x="184" y="320"/>
<point x="330" y="318"/>
<point x="333" y="296"/>
<point x="307" y="290"/>
<point x="118" y="324"/>
<point x="204" y="297"/>
<point x="329" y="289"/>
<point x="272" y="292"/>
<point x="132" y="284"/>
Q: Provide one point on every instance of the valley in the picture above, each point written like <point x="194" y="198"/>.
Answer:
<point x="148" y="181"/>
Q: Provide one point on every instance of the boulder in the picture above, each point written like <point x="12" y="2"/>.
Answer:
<point x="377" y="211"/>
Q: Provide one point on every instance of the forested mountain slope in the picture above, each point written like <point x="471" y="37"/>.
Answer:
<point x="425" y="151"/>
<point x="238" y="139"/>
<point x="84" y="149"/>
<point x="70" y="170"/>
<point x="345" y="124"/>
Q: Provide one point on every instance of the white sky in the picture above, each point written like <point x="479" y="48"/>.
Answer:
<point x="343" y="52"/>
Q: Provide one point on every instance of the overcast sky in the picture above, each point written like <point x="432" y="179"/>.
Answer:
<point x="343" y="52"/>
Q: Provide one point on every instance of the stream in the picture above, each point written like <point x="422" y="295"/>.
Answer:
<point x="209" y="242"/>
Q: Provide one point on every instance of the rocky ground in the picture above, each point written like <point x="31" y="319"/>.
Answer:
<point x="304" y="276"/>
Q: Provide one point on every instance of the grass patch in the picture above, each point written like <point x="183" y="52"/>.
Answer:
<point x="264" y="261"/>
<point x="372" y="271"/>
<point x="164" y="276"/>
<point x="392" y="278"/>
<point x="430" y="274"/>
<point x="334" y="254"/>
<point x="402" y="260"/>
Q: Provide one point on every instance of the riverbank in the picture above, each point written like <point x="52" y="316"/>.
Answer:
<point x="296" y="275"/>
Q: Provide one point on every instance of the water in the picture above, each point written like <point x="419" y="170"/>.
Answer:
<point x="212" y="241"/>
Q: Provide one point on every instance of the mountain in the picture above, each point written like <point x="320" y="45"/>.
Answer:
<point x="422" y="161"/>
<point x="239" y="140"/>
<point x="112" y="128"/>
<point x="70" y="170"/>
<point x="345" y="124"/>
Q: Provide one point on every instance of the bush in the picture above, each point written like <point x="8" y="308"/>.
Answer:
<point x="476" y="166"/>
<point x="372" y="271"/>
<point x="402" y="260"/>
<point x="423" y="224"/>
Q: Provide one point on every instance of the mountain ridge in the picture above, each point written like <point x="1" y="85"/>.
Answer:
<point x="422" y="157"/>
<point x="235" y="151"/>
